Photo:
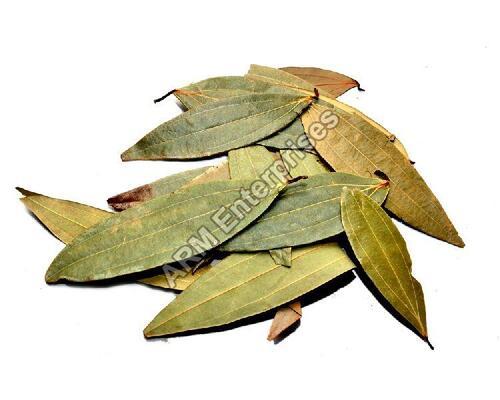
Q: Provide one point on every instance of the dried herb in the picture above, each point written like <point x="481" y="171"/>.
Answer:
<point x="382" y="252"/>
<point x="167" y="185"/>
<point x="67" y="219"/>
<point x="306" y="212"/>
<point x="243" y="285"/>
<point x="273" y="217"/>
<point x="332" y="82"/>
<point x="217" y="127"/>
<point x="152" y="233"/>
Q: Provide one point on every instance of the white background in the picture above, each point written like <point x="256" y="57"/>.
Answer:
<point x="76" y="87"/>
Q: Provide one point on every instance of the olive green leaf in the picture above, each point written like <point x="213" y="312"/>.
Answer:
<point x="162" y="230"/>
<point x="213" y="89"/>
<point x="382" y="253"/>
<point x="285" y="317"/>
<point x="354" y="146"/>
<point x="290" y="137"/>
<point x="181" y="282"/>
<point x="245" y="284"/>
<point x="307" y="211"/>
<point x="63" y="218"/>
<point x="217" y="127"/>
<point x="251" y="162"/>
<point x="332" y="82"/>
<point x="222" y="87"/>
<point x="168" y="184"/>
<point x="302" y="163"/>
<point x="282" y="256"/>
<point x="68" y="219"/>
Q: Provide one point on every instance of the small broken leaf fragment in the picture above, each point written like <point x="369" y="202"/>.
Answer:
<point x="215" y="128"/>
<point x="155" y="232"/>
<point x="332" y="82"/>
<point x="382" y="253"/>
<point x="285" y="317"/>
<point x="282" y="256"/>
<point x="246" y="284"/>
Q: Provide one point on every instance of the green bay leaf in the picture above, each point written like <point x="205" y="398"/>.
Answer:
<point x="243" y="285"/>
<point x="382" y="253"/>
<point x="151" y="234"/>
<point x="307" y="211"/>
<point x="218" y="127"/>
<point x="302" y="163"/>
<point x="251" y="162"/>
<point x="218" y="88"/>
<point x="214" y="89"/>
<point x="67" y="219"/>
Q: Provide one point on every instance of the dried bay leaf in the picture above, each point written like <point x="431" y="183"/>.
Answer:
<point x="217" y="127"/>
<point x="382" y="253"/>
<point x="157" y="188"/>
<point x="67" y="219"/>
<point x="298" y="163"/>
<point x="290" y="137"/>
<point x="282" y="256"/>
<point x="307" y="211"/>
<point x="223" y="87"/>
<point x="181" y="282"/>
<point x="63" y="218"/>
<point x="285" y="317"/>
<point x="152" y="233"/>
<point x="213" y="89"/>
<point x="302" y="163"/>
<point x="291" y="82"/>
<point x="332" y="82"/>
<point x="168" y="184"/>
<point x="354" y="146"/>
<point x="359" y="145"/>
<point x="245" y="284"/>
<point x="251" y="162"/>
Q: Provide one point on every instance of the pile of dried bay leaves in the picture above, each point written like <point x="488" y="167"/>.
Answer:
<point x="305" y="196"/>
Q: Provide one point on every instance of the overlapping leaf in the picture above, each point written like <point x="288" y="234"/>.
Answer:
<point x="243" y="285"/>
<point x="217" y="127"/>
<point x="307" y="211"/>
<point x="332" y="82"/>
<point x="302" y="163"/>
<point x="168" y="184"/>
<point x="381" y="251"/>
<point x="68" y="219"/>
<point x="152" y="233"/>
<point x="63" y="218"/>
<point x="291" y="82"/>
<point x="358" y="145"/>
<point x="354" y="146"/>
